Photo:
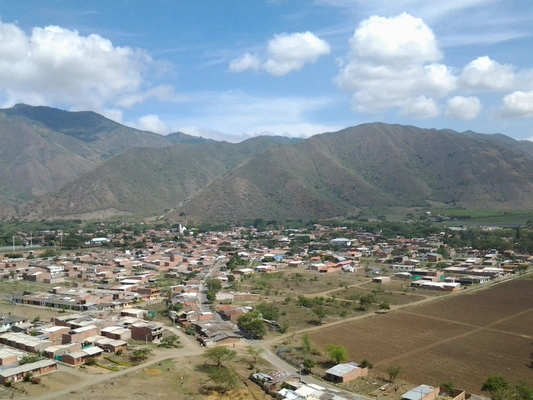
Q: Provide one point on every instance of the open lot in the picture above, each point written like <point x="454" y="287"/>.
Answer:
<point x="465" y="338"/>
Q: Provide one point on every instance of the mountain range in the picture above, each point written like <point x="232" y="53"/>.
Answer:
<point x="61" y="164"/>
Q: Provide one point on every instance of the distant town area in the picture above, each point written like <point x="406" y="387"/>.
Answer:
<point x="318" y="311"/>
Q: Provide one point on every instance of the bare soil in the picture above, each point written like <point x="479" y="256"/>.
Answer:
<point x="464" y="338"/>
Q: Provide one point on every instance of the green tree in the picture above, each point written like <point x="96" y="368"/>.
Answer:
<point x="366" y="364"/>
<point x="30" y="358"/>
<point x="321" y="313"/>
<point x="169" y="342"/>
<point x="337" y="353"/>
<point x="366" y="301"/>
<point x="393" y="372"/>
<point x="213" y="284"/>
<point x="139" y="355"/>
<point x="90" y="361"/>
<point x="269" y="311"/>
<point x="494" y="384"/>
<point x="219" y="355"/>
<point x="255" y="355"/>
<point x="306" y="344"/>
<point x="223" y="378"/>
<point x="308" y="364"/>
<point x="448" y="386"/>
<point x="252" y="324"/>
<point x="211" y="296"/>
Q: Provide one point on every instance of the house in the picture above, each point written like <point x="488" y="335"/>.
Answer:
<point x="79" y="357"/>
<point x="422" y="392"/>
<point x="402" y="268"/>
<point x="146" y="331"/>
<point x="433" y="257"/>
<point x="346" y="372"/>
<point x="18" y="373"/>
<point x="79" y="334"/>
<point x="110" y="345"/>
<point x="116" y="333"/>
<point x="426" y="392"/>
<point x="8" y="321"/>
<point x="340" y="242"/>
<point x="133" y="312"/>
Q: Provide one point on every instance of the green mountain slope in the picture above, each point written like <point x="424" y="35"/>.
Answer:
<point x="43" y="148"/>
<point x="369" y="165"/>
<point x="146" y="180"/>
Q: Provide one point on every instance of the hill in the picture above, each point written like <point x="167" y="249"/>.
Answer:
<point x="147" y="181"/>
<point x="44" y="148"/>
<point x="376" y="165"/>
<point x="327" y="175"/>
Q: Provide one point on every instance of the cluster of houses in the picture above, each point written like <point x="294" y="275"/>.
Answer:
<point x="69" y="338"/>
<point x="103" y="279"/>
<point x="283" y="387"/>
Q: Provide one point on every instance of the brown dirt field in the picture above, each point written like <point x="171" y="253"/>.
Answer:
<point x="465" y="338"/>
<point x="29" y="312"/>
<point x="49" y="383"/>
<point x="483" y="306"/>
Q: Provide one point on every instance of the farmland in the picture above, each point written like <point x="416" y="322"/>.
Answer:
<point x="464" y="339"/>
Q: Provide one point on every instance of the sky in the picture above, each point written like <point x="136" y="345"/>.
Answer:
<point x="233" y="69"/>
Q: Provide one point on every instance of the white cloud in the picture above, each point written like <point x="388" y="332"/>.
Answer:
<point x="289" y="52"/>
<point x="245" y="62"/>
<point x="465" y="108"/>
<point x="57" y="66"/>
<point x="286" y="52"/>
<point x="235" y="116"/>
<point x="396" y="41"/>
<point x="517" y="104"/>
<point x="421" y="107"/>
<point x="484" y="74"/>
<point x="151" y="123"/>
<point x="393" y="63"/>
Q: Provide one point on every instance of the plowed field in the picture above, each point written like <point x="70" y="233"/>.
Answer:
<point x="463" y="339"/>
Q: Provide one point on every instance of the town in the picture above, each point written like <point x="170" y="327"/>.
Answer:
<point x="225" y="289"/>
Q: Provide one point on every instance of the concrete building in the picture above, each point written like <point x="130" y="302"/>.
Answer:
<point x="18" y="373"/>
<point x="346" y="372"/>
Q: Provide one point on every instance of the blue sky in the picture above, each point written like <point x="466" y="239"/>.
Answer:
<point x="230" y="69"/>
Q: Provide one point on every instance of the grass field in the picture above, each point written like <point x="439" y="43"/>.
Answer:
<point x="464" y="338"/>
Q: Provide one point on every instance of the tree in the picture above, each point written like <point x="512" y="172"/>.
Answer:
<point x="366" y="364"/>
<point x="320" y="313"/>
<point x="494" y="384"/>
<point x="366" y="301"/>
<point x="219" y="355"/>
<point x="337" y="353"/>
<point x="141" y="354"/>
<point x="90" y="361"/>
<point x="170" y="342"/>
<point x="269" y="311"/>
<point x="223" y="378"/>
<point x="255" y="354"/>
<point x="306" y="344"/>
<point x="393" y="372"/>
<point x="252" y="324"/>
<point x="308" y="364"/>
<point x="211" y="296"/>
<point x="448" y="386"/>
<point x="30" y="358"/>
<point x="213" y="284"/>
